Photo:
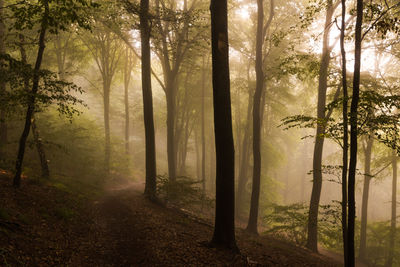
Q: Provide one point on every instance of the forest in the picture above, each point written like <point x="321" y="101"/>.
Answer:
<point x="199" y="133"/>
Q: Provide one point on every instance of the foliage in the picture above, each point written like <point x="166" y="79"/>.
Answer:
<point x="290" y="222"/>
<point x="51" y="90"/>
<point x="181" y="192"/>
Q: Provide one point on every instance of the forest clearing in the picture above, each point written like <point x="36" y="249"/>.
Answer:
<point x="199" y="133"/>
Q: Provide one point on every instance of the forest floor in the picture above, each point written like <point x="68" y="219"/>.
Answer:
<point x="43" y="224"/>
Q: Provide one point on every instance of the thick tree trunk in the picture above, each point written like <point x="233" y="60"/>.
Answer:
<point x="224" y="228"/>
<point x="312" y="233"/>
<point x="3" y="124"/>
<point x="150" y="187"/>
<point x="364" y="206"/>
<point x="32" y="97"/>
<point x="392" y="237"/>
<point x="255" y="193"/>
<point x="353" y="133"/>
<point x="345" y="134"/>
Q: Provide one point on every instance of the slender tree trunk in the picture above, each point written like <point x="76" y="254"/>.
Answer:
<point x="312" y="233"/>
<point x="224" y="228"/>
<point x="107" y="147"/>
<point x="3" y="124"/>
<point x="171" y="113"/>
<point x="203" y="132"/>
<point x="32" y="97"/>
<point x="255" y="195"/>
<point x="60" y="57"/>
<point x="392" y="237"/>
<point x="244" y="163"/>
<point x="364" y="206"/>
<point x="150" y="187"/>
<point x="345" y="134"/>
<point x="36" y="134"/>
<point x="353" y="133"/>
<point x="127" y="78"/>
<point x="40" y="149"/>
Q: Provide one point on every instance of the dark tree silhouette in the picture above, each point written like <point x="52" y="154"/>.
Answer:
<point x="150" y="188"/>
<point x="353" y="133"/>
<point x="224" y="229"/>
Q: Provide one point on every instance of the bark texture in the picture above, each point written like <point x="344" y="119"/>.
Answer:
<point x="150" y="187"/>
<point x="224" y="228"/>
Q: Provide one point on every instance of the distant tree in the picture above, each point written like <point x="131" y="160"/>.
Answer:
<point x="105" y="48"/>
<point x="128" y="67"/>
<point x="224" y="228"/>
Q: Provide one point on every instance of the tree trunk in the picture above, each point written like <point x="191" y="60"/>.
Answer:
<point x="345" y="135"/>
<point x="32" y="97"/>
<point x="255" y="193"/>
<point x="364" y="206"/>
<point x="203" y="132"/>
<point x="224" y="228"/>
<point x="107" y="146"/>
<point x="353" y="133"/>
<point x="127" y="78"/>
<point x="244" y="163"/>
<point x="40" y="149"/>
<point x="36" y="134"/>
<point x="171" y="113"/>
<point x="392" y="237"/>
<point x="3" y="124"/>
<point x="312" y="233"/>
<point x="150" y="187"/>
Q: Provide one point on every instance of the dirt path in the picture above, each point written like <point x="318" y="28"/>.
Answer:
<point x="121" y="228"/>
<point x="128" y="230"/>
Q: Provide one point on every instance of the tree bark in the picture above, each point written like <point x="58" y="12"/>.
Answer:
<point x="32" y="96"/>
<point x="364" y="206"/>
<point x="224" y="228"/>
<point x="127" y="78"/>
<point x="40" y="149"/>
<point x="312" y="233"/>
<point x="255" y="192"/>
<point x="3" y="123"/>
<point x="353" y="133"/>
<point x="345" y="134"/>
<point x="244" y="163"/>
<point x="36" y="134"/>
<point x="203" y="132"/>
<point x="150" y="187"/>
<point x="107" y="145"/>
<point x="392" y="237"/>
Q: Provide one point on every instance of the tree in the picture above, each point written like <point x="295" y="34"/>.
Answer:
<point x="35" y="87"/>
<point x="261" y="32"/>
<point x="345" y="156"/>
<point x="392" y="237"/>
<point x="105" y="48"/>
<point x="312" y="233"/>
<point x="151" y="171"/>
<point x="224" y="228"/>
<point x="353" y="133"/>
<point x="128" y="66"/>
<point x="51" y="19"/>
<point x="3" y="124"/>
